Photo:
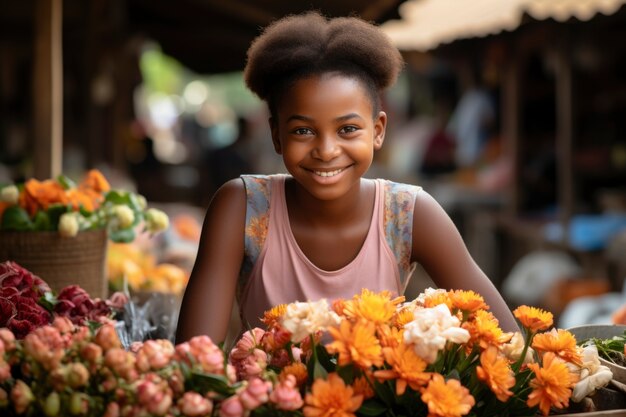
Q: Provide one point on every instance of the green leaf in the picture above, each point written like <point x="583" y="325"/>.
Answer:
<point x="372" y="407"/>
<point x="122" y="235"/>
<point x="204" y="383"/>
<point x="48" y="301"/>
<point x="42" y="221"/>
<point x="324" y="358"/>
<point x="65" y="182"/>
<point x="118" y="197"/>
<point x="54" y="214"/>
<point x="319" y="371"/>
<point x="346" y="373"/>
<point x="16" y="218"/>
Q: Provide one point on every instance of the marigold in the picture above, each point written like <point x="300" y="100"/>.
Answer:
<point x="435" y="298"/>
<point x="390" y="336"/>
<point x="331" y="398"/>
<point x="406" y="368"/>
<point x="468" y="301"/>
<point x="297" y="369"/>
<point x="96" y="181"/>
<point x="561" y="342"/>
<point x="356" y="343"/>
<point x="272" y="316"/>
<point x="485" y="330"/>
<point x="496" y="372"/>
<point x="363" y="387"/>
<point x="552" y="385"/>
<point x="534" y="319"/>
<point x="402" y="317"/>
<point x="378" y="307"/>
<point x="447" y="398"/>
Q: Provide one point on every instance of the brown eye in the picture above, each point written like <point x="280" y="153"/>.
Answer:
<point x="303" y="131"/>
<point x="348" y="129"/>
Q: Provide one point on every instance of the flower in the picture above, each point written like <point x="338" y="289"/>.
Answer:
<point x="468" y="301"/>
<point x="514" y="348"/>
<point x="447" y="398"/>
<point x="561" y="342"/>
<point x="286" y="395"/>
<point x="552" y="384"/>
<point x="406" y="368"/>
<point x="304" y="319"/>
<point x="356" y="343"/>
<point x="193" y="404"/>
<point x="62" y="205"/>
<point x="593" y="374"/>
<point x="496" y="372"/>
<point x="534" y="319"/>
<point x="374" y="307"/>
<point x="331" y="398"/>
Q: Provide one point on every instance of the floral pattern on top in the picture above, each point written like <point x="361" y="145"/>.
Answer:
<point x="398" y="224"/>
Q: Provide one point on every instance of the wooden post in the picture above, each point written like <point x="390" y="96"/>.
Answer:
<point x="564" y="132"/>
<point x="48" y="89"/>
<point x="511" y="127"/>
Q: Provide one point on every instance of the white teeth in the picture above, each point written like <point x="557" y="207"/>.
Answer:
<point x="327" y="174"/>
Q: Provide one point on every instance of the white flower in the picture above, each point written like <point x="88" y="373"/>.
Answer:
<point x="593" y="374"/>
<point x="513" y="349"/>
<point x="431" y="329"/>
<point x="303" y="319"/>
<point x="156" y="220"/>
<point x="9" y="194"/>
<point x="68" y="225"/>
<point x="124" y="215"/>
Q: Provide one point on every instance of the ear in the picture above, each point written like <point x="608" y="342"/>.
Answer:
<point x="275" y="137"/>
<point x="380" y="126"/>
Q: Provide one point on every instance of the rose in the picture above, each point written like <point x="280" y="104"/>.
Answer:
<point x="74" y="303"/>
<point x="28" y="284"/>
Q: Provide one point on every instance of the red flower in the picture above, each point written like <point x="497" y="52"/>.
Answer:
<point x="74" y="303"/>
<point x="25" y="282"/>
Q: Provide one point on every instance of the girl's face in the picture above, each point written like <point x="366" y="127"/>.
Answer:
<point x="325" y="132"/>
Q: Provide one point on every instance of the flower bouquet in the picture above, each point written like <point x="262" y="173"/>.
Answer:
<point x="442" y="354"/>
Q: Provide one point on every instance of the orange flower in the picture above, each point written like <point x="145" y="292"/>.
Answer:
<point x="406" y="368"/>
<point x="485" y="330"/>
<point x="552" y="385"/>
<point x="390" y="336"/>
<point x="496" y="372"/>
<point x="3" y="206"/>
<point x="356" y="343"/>
<point x="78" y="198"/>
<point x="272" y="316"/>
<point x="297" y="369"/>
<point x="447" y="398"/>
<point x="438" y="297"/>
<point x="96" y="181"/>
<point x="40" y="195"/>
<point x="331" y="398"/>
<point x="534" y="319"/>
<point x="468" y="301"/>
<point x="378" y="307"/>
<point x="403" y="317"/>
<point x="561" y="342"/>
<point x="362" y="387"/>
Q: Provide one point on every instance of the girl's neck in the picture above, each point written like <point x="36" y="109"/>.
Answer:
<point x="328" y="212"/>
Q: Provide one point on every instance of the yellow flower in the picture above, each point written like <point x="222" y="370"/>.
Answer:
<point x="356" y="343"/>
<point x="447" y="398"/>
<point x="485" y="330"/>
<point x="406" y="368"/>
<point x="496" y="372"/>
<point x="402" y="317"/>
<point x="124" y="215"/>
<point x="297" y="369"/>
<point x="435" y="298"/>
<point x="534" y="319"/>
<point x="331" y="398"/>
<point x="9" y="194"/>
<point x="378" y="307"/>
<point x="272" y="316"/>
<point x="467" y="301"/>
<point x="552" y="385"/>
<point x="156" y="220"/>
<point x="68" y="225"/>
<point x="390" y="336"/>
<point x="561" y="342"/>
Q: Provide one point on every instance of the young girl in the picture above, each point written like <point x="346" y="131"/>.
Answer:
<point x="323" y="231"/>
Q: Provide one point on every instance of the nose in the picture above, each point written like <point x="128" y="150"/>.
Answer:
<point x="326" y="148"/>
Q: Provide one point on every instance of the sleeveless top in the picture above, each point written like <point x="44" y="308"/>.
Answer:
<point x="276" y="271"/>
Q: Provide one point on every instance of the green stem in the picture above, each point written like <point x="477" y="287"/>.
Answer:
<point x="520" y="361"/>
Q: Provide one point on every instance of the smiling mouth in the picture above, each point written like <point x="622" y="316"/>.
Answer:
<point x="328" y="173"/>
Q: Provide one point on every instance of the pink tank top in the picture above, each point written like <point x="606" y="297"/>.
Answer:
<point x="283" y="274"/>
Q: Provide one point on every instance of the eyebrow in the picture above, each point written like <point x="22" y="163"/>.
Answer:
<point x="338" y="119"/>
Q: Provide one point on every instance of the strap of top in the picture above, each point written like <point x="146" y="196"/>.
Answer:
<point x="398" y="224"/>
<point x="257" y="221"/>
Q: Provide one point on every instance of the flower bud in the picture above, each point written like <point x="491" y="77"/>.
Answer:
<point x="9" y="194"/>
<point x="156" y="220"/>
<point x="79" y="405"/>
<point x="21" y="396"/>
<point x="52" y="404"/>
<point x="193" y="404"/>
<point x="141" y="201"/>
<point x="68" y="225"/>
<point x="124" y="216"/>
<point x="77" y="375"/>
<point x="4" y="398"/>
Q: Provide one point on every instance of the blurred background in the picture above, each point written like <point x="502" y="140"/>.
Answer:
<point x="511" y="114"/>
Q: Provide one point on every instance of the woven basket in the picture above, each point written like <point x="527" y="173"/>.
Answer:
<point x="80" y="260"/>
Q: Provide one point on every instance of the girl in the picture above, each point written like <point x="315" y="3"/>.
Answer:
<point x="323" y="231"/>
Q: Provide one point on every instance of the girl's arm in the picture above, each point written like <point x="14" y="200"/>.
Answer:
<point x="208" y="300"/>
<point x="439" y="248"/>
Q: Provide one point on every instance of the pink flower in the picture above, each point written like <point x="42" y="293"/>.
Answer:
<point x="21" y="396"/>
<point x="249" y="341"/>
<point x="5" y="370"/>
<point x="232" y="407"/>
<point x="154" y="355"/>
<point x="77" y="375"/>
<point x="122" y="363"/>
<point x="255" y="394"/>
<point x="46" y="346"/>
<point x="112" y="410"/>
<point x="63" y="324"/>
<point x="286" y="395"/>
<point x="92" y="353"/>
<point x="117" y="301"/>
<point x="8" y="338"/>
<point x="107" y="338"/>
<point x="154" y="394"/>
<point x="201" y="350"/>
<point x="193" y="404"/>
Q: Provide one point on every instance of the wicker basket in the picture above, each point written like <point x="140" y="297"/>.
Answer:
<point x="80" y="260"/>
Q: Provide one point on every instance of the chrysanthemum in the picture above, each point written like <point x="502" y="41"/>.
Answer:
<point x="390" y="336"/>
<point x="552" y="385"/>
<point x="272" y="316"/>
<point x="356" y="343"/>
<point x="435" y="298"/>
<point x="534" y="319"/>
<point x="377" y="307"/>
<point x="363" y="387"/>
<point x="331" y="398"/>
<point x="297" y="369"/>
<point x="495" y="371"/>
<point x="561" y="342"/>
<point x="485" y="330"/>
<point x="406" y="368"/>
<point x="467" y="301"/>
<point x="447" y="398"/>
<point x="402" y="317"/>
